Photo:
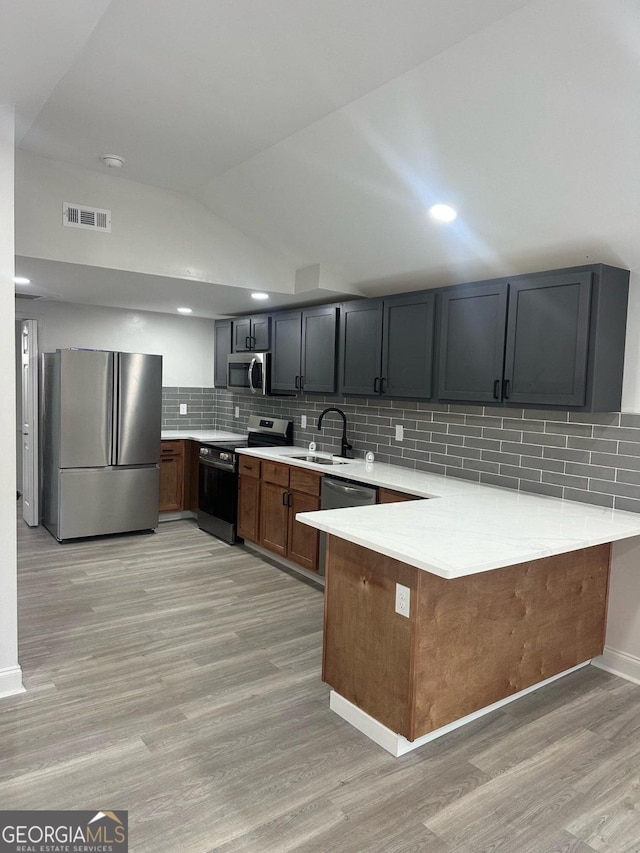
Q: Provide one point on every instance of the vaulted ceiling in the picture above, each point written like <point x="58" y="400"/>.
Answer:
<point x="323" y="129"/>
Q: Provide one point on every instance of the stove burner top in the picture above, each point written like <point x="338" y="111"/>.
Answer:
<point x="226" y="445"/>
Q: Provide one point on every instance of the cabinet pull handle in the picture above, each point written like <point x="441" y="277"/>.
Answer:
<point x="507" y="389"/>
<point x="253" y="341"/>
<point x="301" y="382"/>
<point x="496" y="389"/>
<point x="376" y="385"/>
<point x="247" y="342"/>
<point x="383" y="381"/>
<point x="284" y="499"/>
<point x="297" y="382"/>
<point x="289" y="499"/>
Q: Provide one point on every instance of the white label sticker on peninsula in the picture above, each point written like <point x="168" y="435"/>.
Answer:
<point x="403" y="600"/>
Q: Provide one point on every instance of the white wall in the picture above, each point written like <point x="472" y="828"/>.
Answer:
<point x="153" y="230"/>
<point x="10" y="673"/>
<point x="186" y="343"/>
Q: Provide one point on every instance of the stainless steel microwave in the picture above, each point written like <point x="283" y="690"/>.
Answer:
<point x="249" y="373"/>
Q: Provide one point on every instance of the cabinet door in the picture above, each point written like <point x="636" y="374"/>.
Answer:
<point x="407" y="346"/>
<point x="547" y="340"/>
<point x="260" y="333"/>
<point x="274" y="517"/>
<point x="360" y="347"/>
<point x="242" y="335"/>
<point x="248" y="508"/>
<point x="285" y="356"/>
<point x="172" y="477"/>
<point x="471" y="351"/>
<point x="319" y="345"/>
<point x="302" y="539"/>
<point x="222" y="344"/>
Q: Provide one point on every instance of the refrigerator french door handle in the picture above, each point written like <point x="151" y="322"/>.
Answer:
<point x="115" y="409"/>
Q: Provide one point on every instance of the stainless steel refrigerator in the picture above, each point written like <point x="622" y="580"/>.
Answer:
<point x="101" y="422"/>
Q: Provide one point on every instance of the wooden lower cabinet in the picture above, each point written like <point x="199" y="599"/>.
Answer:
<point x="284" y="491"/>
<point x="274" y="517"/>
<point x="172" y="469"/>
<point x="468" y="642"/>
<point x="389" y="496"/>
<point x="249" y="499"/>
<point x="302" y="541"/>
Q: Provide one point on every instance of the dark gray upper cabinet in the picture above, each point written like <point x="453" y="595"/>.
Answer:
<point x="287" y="350"/>
<point x="407" y="346"/>
<point x="252" y="334"/>
<point x="386" y="346"/>
<point x="471" y="345"/>
<point x="547" y="340"/>
<point x="319" y="346"/>
<point x="360" y="346"/>
<point x="552" y="339"/>
<point x="304" y="350"/>
<point x="222" y="343"/>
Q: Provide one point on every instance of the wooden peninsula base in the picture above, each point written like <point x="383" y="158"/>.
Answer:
<point x="468" y="643"/>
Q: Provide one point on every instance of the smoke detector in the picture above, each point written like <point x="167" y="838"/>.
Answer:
<point x="112" y="161"/>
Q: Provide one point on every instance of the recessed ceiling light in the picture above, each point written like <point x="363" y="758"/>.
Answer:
<point x="185" y="310"/>
<point x="259" y="295"/>
<point x="18" y="279"/>
<point x="443" y="212"/>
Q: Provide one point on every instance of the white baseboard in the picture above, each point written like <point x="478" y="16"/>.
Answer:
<point x="619" y="663"/>
<point x="11" y="681"/>
<point x="398" y="745"/>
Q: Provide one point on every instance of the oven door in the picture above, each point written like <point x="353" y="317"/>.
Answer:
<point x="217" y="499"/>
<point x="248" y="373"/>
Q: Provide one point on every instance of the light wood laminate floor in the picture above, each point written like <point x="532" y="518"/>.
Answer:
<point x="179" y="678"/>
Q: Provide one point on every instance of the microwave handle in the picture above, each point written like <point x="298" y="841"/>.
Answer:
<point x="251" y="385"/>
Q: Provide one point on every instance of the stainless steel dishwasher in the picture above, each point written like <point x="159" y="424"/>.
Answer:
<point x="338" y="494"/>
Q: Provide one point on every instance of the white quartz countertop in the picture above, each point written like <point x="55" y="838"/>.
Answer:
<point x="203" y="435"/>
<point x="466" y="528"/>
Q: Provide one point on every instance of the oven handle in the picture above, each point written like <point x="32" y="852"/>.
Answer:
<point x="221" y="466"/>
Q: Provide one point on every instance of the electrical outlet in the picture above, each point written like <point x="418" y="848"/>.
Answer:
<point x="403" y="600"/>
<point x="183" y="408"/>
<point x="236" y="414"/>
<point x="303" y="421"/>
<point x="399" y="432"/>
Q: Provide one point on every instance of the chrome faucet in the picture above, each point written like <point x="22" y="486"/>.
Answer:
<point x="344" y="444"/>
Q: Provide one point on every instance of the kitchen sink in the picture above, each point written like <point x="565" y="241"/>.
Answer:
<point x="320" y="460"/>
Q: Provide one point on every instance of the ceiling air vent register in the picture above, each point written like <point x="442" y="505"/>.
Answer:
<point x="89" y="218"/>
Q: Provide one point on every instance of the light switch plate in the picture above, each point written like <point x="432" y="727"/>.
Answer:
<point x="183" y="408"/>
<point x="399" y="432"/>
<point x="237" y="412"/>
<point x="303" y="421"/>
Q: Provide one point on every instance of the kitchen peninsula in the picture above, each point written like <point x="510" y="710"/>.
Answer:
<point x="504" y="591"/>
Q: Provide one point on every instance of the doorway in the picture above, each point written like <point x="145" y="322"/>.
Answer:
<point x="27" y="419"/>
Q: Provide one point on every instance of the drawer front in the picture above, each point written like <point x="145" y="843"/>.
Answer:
<point x="389" y="496"/>
<point x="249" y="467"/>
<point x="305" y="481"/>
<point x="275" y="472"/>
<point x="172" y="448"/>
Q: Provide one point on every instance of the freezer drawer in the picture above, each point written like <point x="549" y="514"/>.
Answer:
<point x="96" y="501"/>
